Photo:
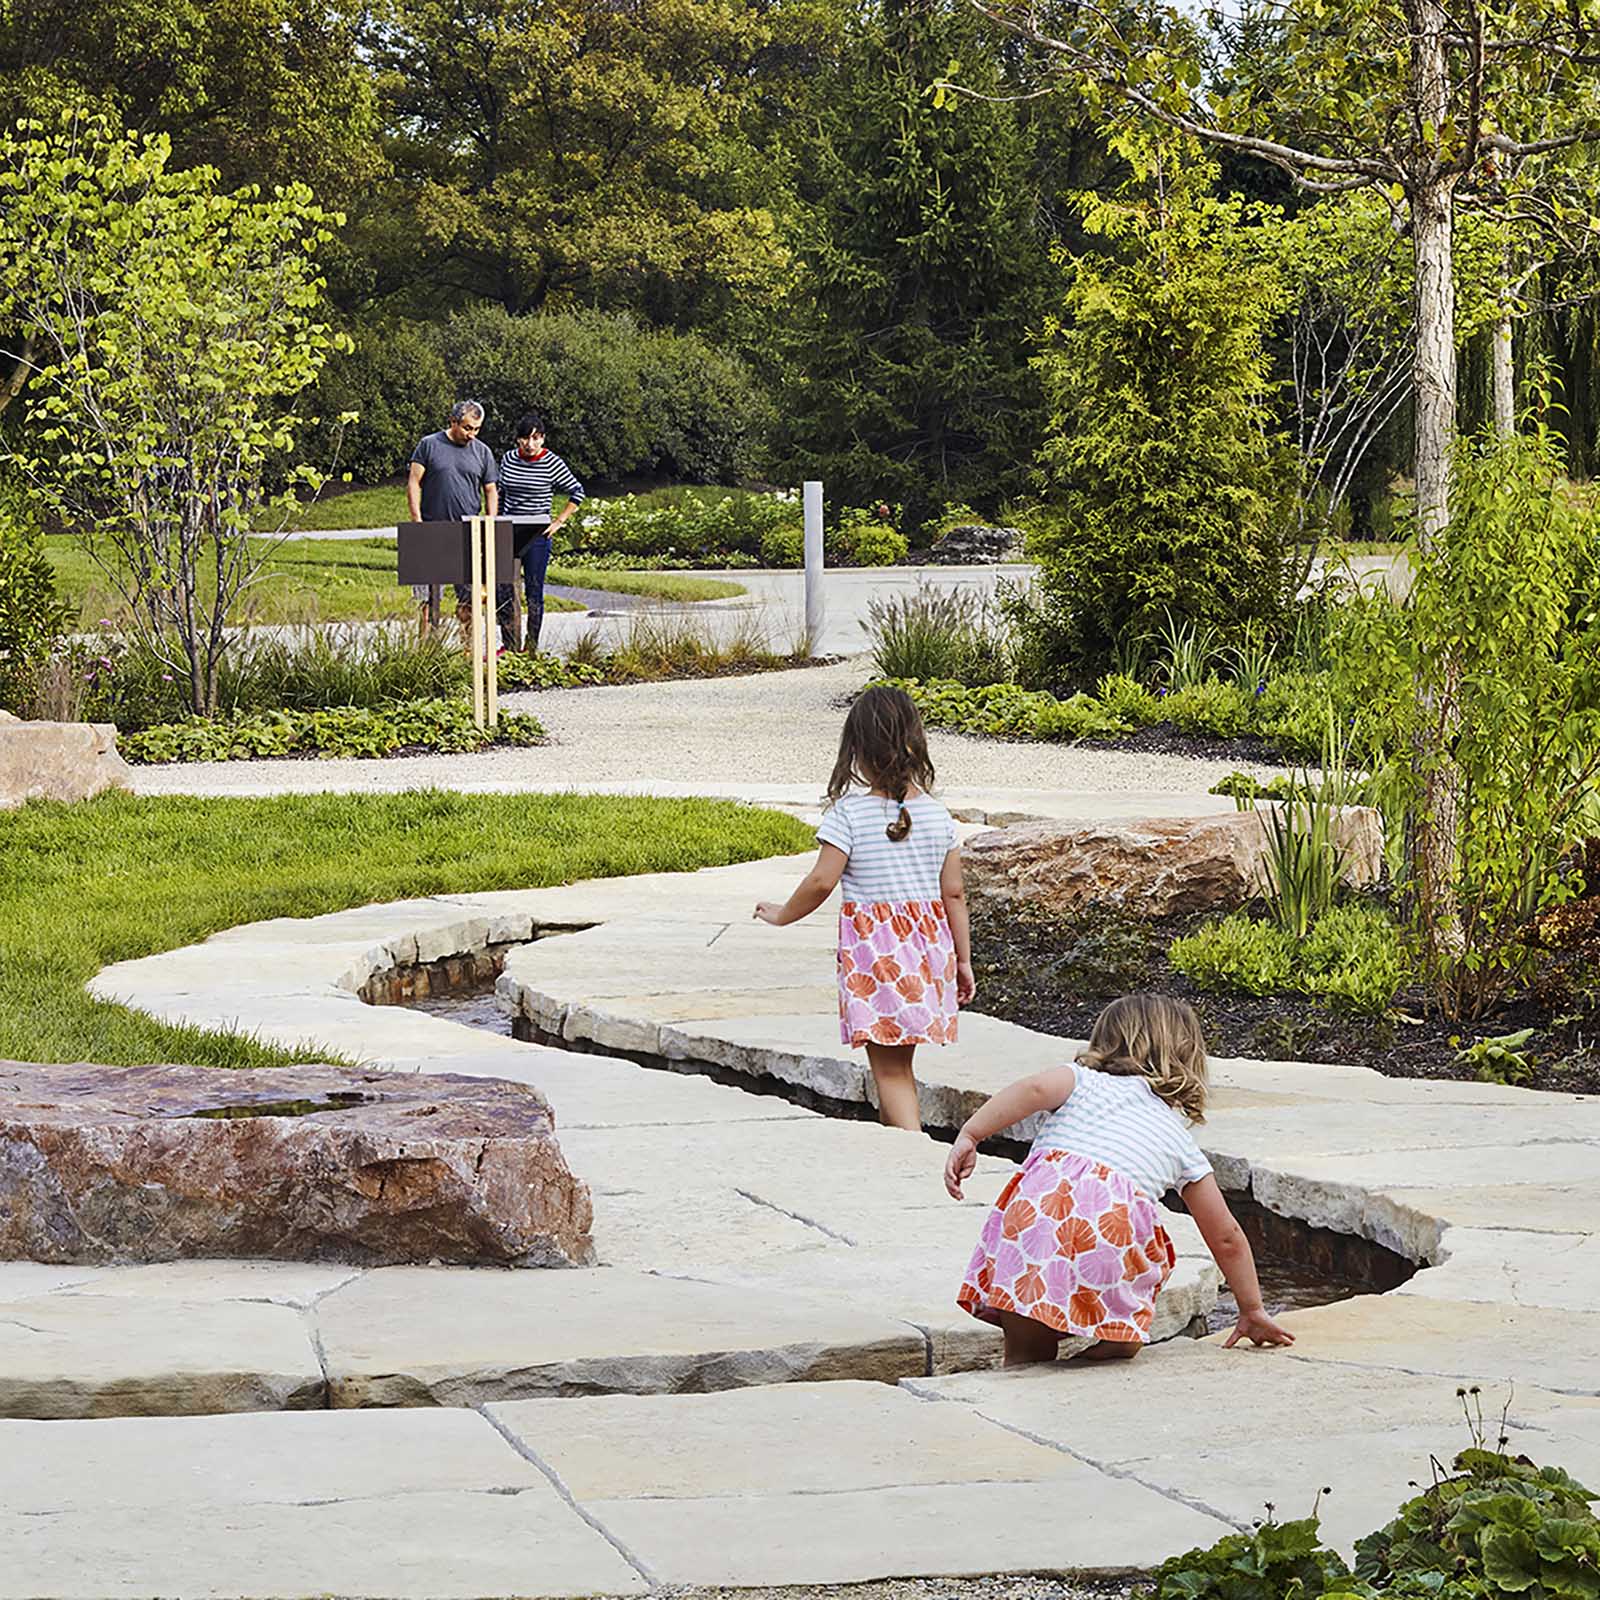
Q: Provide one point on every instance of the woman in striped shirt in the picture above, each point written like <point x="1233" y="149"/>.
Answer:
<point x="529" y="477"/>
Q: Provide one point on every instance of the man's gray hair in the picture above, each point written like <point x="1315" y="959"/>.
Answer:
<point x="463" y="409"/>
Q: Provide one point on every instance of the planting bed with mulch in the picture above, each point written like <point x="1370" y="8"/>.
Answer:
<point x="1055" y="974"/>
<point x="1167" y="739"/>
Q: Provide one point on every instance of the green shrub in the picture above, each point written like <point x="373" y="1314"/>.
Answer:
<point x="1499" y="1526"/>
<point x="1292" y="711"/>
<point x="1212" y="706"/>
<point x="1353" y="958"/>
<point x="395" y="380"/>
<point x="1080" y="717"/>
<point x="1484" y="686"/>
<point x="620" y="402"/>
<point x="1174" y="501"/>
<point x="1238" y="953"/>
<point x="1005" y="710"/>
<point x="435" y="725"/>
<point x="1496" y="1527"/>
<point x="521" y="671"/>
<point x="709" y="419"/>
<point x="1128" y="699"/>
<point x="683" y="528"/>
<point x="784" y="546"/>
<point x="876" y="544"/>
<point x="32" y="616"/>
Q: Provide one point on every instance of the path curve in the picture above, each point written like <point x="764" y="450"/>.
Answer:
<point x="701" y="736"/>
<point x="809" y="1481"/>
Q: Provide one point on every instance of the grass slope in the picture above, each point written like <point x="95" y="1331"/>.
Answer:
<point x="120" y="877"/>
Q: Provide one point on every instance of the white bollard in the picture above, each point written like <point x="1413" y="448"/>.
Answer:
<point x="813" y="554"/>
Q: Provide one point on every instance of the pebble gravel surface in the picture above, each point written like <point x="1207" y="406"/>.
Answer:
<point x="769" y="727"/>
<point x="1028" y="1588"/>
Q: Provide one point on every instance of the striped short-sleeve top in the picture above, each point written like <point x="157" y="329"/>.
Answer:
<point x="1127" y="1125"/>
<point x="881" y="868"/>
<point x="528" y="487"/>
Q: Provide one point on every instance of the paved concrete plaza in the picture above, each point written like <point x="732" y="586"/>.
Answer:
<point x="766" y="1380"/>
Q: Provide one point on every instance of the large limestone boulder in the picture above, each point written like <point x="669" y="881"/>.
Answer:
<point x="1165" y="866"/>
<point x="125" y="1164"/>
<point x="57" y="760"/>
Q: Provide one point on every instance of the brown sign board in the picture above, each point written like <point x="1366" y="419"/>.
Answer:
<point x="439" y="552"/>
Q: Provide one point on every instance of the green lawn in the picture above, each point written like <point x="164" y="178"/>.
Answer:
<point x="380" y="506"/>
<point x="121" y="877"/>
<point x="348" y="580"/>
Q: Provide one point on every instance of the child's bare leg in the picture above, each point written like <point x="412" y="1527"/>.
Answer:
<point x="1026" y="1342"/>
<point x="1111" y="1350"/>
<point x="897" y="1085"/>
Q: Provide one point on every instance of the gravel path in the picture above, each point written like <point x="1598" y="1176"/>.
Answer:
<point x="720" y="735"/>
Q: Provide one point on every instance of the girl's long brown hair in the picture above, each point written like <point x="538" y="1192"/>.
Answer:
<point x="883" y="747"/>
<point x="1155" y="1037"/>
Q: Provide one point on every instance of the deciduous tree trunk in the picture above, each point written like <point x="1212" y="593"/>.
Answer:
<point x="1432" y="207"/>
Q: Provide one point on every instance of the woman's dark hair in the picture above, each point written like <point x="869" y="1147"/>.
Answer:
<point x="883" y="746"/>
<point x="529" y="424"/>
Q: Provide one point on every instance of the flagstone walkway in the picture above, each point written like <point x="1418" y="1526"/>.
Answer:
<point x="697" y="1409"/>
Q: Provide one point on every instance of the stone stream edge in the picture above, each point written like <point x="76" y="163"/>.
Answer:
<point x="746" y="1241"/>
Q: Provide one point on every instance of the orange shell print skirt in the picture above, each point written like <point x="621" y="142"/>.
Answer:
<point x="897" y="973"/>
<point x="1075" y="1245"/>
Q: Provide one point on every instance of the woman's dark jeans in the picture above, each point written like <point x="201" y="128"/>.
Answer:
<point x="530" y="542"/>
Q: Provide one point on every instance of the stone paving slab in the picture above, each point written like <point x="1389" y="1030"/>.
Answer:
<point x="423" y="1546"/>
<point x="260" y="1458"/>
<point x="86" y="1355"/>
<point x="1273" y="1426"/>
<point x="1470" y="1341"/>
<point x="1088" y="1524"/>
<point x="752" y="1486"/>
<point x="400" y="1336"/>
<point x="1528" y="1268"/>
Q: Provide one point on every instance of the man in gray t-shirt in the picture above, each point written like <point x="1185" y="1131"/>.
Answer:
<point x="453" y="475"/>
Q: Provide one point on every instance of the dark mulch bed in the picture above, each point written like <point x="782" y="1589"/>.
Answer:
<point x="1163" y="738"/>
<point x="1055" y="974"/>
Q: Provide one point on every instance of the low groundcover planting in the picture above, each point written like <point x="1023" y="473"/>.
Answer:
<point x="1493" y="1527"/>
<point x="405" y="728"/>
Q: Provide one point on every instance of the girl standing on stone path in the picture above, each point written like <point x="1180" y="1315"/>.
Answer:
<point x="1074" y="1247"/>
<point x="905" y="958"/>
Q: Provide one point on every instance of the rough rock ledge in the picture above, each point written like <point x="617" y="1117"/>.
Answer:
<point x="132" y="1164"/>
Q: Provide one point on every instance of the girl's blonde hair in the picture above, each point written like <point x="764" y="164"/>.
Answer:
<point x="883" y="745"/>
<point x="1153" y="1036"/>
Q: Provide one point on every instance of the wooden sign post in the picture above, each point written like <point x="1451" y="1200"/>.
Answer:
<point x="472" y="552"/>
<point x="485" y="657"/>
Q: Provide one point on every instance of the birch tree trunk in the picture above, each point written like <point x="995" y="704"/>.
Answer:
<point x="1432" y="220"/>
<point x="1502" y="369"/>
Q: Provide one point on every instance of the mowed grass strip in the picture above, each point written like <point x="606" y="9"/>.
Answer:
<point x="350" y="580"/>
<point x="120" y="877"/>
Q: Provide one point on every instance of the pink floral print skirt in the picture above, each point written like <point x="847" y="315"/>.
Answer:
<point x="897" y="973"/>
<point x="1073" y="1244"/>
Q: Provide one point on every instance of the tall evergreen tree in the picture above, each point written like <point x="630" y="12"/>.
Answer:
<point x="923" y="260"/>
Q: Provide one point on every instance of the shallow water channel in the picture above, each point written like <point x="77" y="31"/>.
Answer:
<point x="1299" y="1265"/>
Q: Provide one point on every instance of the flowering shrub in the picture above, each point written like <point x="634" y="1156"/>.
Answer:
<point x="711" y="528"/>
<point x="702" y="530"/>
